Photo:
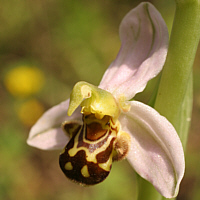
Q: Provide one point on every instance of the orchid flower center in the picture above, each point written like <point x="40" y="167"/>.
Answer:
<point x="94" y="144"/>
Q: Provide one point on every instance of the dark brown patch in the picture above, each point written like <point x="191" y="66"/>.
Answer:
<point x="71" y="128"/>
<point x="94" y="131"/>
<point x="91" y="146"/>
<point x="104" y="155"/>
<point x="97" y="174"/>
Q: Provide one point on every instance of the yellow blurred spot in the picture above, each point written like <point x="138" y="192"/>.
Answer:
<point x="23" y="81"/>
<point x="30" y="111"/>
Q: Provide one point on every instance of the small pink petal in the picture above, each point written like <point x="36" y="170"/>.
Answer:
<point x="156" y="151"/>
<point x="47" y="133"/>
<point x="144" y="38"/>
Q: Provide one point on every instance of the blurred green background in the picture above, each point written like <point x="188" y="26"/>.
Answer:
<point x="56" y="43"/>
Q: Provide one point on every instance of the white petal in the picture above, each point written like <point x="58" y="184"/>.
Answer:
<point x="144" y="38"/>
<point x="156" y="151"/>
<point x="47" y="133"/>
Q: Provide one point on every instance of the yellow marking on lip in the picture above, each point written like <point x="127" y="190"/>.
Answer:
<point x="106" y="166"/>
<point x="90" y="157"/>
<point x="85" y="172"/>
<point x="68" y="166"/>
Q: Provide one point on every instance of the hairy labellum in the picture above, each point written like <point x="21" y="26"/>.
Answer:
<point x="87" y="158"/>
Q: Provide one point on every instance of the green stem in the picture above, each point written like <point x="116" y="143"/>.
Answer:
<point x="185" y="115"/>
<point x="186" y="112"/>
<point x="178" y="67"/>
<point x="174" y="97"/>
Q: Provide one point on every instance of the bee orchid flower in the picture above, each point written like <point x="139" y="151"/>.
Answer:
<point x="99" y="124"/>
